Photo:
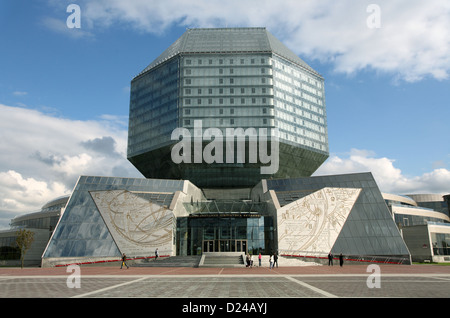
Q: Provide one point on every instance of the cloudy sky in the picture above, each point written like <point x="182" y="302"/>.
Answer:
<point x="64" y="92"/>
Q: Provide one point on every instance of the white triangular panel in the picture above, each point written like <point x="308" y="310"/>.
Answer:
<point x="312" y="223"/>
<point x="138" y="226"/>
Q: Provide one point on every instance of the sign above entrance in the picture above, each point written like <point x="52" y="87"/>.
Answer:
<point x="225" y="215"/>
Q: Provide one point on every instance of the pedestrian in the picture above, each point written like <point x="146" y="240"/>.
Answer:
<point x="259" y="259"/>
<point x="124" y="261"/>
<point x="341" y="260"/>
<point x="271" y="261"/>
<point x="251" y="260"/>
<point x="330" y="259"/>
<point x="156" y="254"/>
<point x="275" y="259"/>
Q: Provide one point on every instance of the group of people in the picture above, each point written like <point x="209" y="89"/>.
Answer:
<point x="124" y="259"/>
<point x="330" y="259"/>
<point x="272" y="260"/>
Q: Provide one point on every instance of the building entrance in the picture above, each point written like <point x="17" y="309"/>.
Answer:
<point x="225" y="246"/>
<point x="222" y="233"/>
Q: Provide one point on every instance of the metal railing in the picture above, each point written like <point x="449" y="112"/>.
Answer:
<point x="322" y="257"/>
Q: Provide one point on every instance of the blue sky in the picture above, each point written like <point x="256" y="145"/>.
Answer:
<point x="64" y="93"/>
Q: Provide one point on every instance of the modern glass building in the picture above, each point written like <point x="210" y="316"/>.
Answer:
<point x="240" y="79"/>
<point x="227" y="126"/>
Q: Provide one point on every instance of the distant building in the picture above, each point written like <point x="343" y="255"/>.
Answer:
<point x="41" y="223"/>
<point x="425" y="225"/>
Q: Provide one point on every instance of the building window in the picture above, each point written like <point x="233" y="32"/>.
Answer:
<point x="187" y="111"/>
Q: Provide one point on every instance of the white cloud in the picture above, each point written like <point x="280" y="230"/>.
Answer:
<point x="413" y="41"/>
<point x="41" y="156"/>
<point x="60" y="26"/>
<point x="20" y="93"/>
<point x="389" y="178"/>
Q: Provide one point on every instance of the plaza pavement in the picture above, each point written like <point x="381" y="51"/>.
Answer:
<point x="257" y="283"/>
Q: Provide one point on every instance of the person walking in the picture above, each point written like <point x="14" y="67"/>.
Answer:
<point x="271" y="261"/>
<point x="341" y="260"/>
<point x="259" y="259"/>
<point x="124" y="261"/>
<point x="156" y="254"/>
<point x="330" y="259"/>
<point x="275" y="259"/>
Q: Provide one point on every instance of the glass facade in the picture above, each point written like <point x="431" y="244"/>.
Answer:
<point x="369" y="228"/>
<point x="225" y="234"/>
<point x="411" y="220"/>
<point x="9" y="249"/>
<point x="240" y="78"/>
<point x="441" y="243"/>
<point x="82" y="232"/>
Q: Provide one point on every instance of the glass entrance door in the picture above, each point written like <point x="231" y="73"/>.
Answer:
<point x="225" y="246"/>
<point x="241" y="246"/>
<point x="208" y="246"/>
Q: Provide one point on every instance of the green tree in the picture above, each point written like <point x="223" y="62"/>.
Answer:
<point x="24" y="240"/>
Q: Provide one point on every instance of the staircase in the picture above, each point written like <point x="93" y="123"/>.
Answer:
<point x="173" y="261"/>
<point x="222" y="260"/>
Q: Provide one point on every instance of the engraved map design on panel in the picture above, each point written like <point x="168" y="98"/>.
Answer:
<point x="313" y="223"/>
<point x="137" y="220"/>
